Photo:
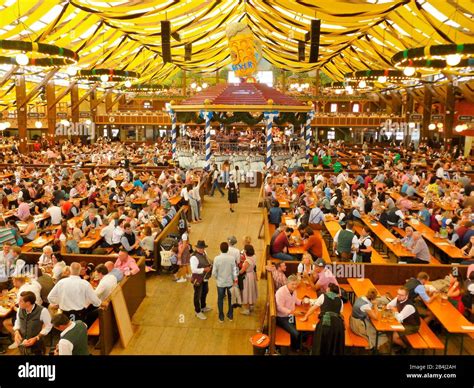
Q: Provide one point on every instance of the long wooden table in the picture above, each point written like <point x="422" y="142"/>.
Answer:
<point x="38" y="243"/>
<point x="451" y="319"/>
<point x="441" y="243"/>
<point x="89" y="241"/>
<point x="387" y="238"/>
<point x="388" y="325"/>
<point x="303" y="291"/>
<point x="299" y="249"/>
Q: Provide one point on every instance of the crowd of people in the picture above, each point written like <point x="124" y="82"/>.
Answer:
<point x="390" y="187"/>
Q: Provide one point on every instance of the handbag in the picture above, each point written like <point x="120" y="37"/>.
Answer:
<point x="197" y="279"/>
<point x="166" y="258"/>
<point x="235" y="296"/>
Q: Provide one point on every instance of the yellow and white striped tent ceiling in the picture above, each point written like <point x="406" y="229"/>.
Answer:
<point x="125" y="35"/>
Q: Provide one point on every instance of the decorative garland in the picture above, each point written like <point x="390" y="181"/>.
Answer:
<point x="434" y="57"/>
<point x="245" y="117"/>
<point x="138" y="88"/>
<point x="52" y="55"/>
<point x="114" y="75"/>
<point x="373" y="75"/>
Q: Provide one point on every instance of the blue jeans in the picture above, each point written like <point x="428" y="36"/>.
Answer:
<point x="290" y="327"/>
<point x="221" y="291"/>
<point x="284" y="256"/>
<point x="215" y="185"/>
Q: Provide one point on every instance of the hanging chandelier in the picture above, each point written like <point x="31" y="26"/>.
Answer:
<point x="348" y="87"/>
<point x="381" y="76"/>
<point x="16" y="52"/>
<point x="108" y="75"/>
<point x="145" y="89"/>
<point x="440" y="56"/>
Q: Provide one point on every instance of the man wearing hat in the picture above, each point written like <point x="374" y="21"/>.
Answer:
<point x="201" y="271"/>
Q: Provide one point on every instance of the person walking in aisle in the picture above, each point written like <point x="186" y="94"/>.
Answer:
<point x="232" y="193"/>
<point x="215" y="181"/>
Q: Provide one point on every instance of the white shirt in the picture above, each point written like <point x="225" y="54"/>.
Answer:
<point x="108" y="232"/>
<point x="366" y="307"/>
<point x="319" y="302"/>
<point x="34" y="287"/>
<point x="117" y="235"/>
<point x="65" y="347"/>
<point x="340" y="178"/>
<point x="195" y="194"/>
<point x="73" y="293"/>
<point x="143" y="216"/>
<point x="55" y="213"/>
<point x="355" y="240"/>
<point x="440" y="172"/>
<point x="184" y="193"/>
<point x="366" y="241"/>
<point x="235" y="253"/>
<point x="359" y="203"/>
<point x="405" y="313"/>
<point x="194" y="262"/>
<point x="106" y="286"/>
<point x="45" y="317"/>
<point x="45" y="260"/>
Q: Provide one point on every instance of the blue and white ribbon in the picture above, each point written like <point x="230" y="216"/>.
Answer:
<point x="309" y="118"/>
<point x="269" y="117"/>
<point x="172" y="114"/>
<point x="206" y="115"/>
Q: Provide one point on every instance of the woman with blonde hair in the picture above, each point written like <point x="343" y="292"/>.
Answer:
<point x="306" y="267"/>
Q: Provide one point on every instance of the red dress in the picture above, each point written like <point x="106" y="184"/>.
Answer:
<point x="457" y="302"/>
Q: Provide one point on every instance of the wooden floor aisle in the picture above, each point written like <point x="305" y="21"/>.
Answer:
<point x="165" y="323"/>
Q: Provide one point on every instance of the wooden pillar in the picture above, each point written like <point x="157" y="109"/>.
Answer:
<point x="316" y="90"/>
<point x="468" y="146"/>
<point x="21" y="115"/>
<point x="449" y="112"/>
<point x="93" y="106"/>
<point x="75" y="104"/>
<point x="184" y="84"/>
<point x="51" y="114"/>
<point x="108" y="102"/>
<point x="427" y="101"/>
<point x="217" y="76"/>
<point x="410" y="102"/>
<point x="409" y="106"/>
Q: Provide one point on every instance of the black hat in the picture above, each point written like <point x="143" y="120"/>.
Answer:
<point x="201" y="244"/>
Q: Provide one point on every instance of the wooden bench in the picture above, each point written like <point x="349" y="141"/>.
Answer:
<point x="94" y="330"/>
<point x="425" y="339"/>
<point x="282" y="337"/>
<point x="278" y="336"/>
<point x="352" y="339"/>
